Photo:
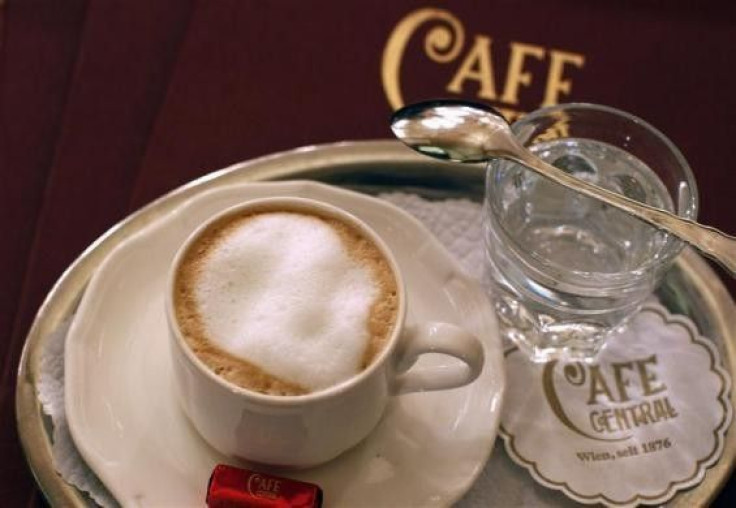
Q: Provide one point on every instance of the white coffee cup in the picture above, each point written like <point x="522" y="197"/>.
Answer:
<point x="306" y="430"/>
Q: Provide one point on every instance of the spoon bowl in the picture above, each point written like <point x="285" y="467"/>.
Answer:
<point x="455" y="130"/>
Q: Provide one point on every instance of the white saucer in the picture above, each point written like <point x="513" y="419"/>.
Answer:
<point x="427" y="451"/>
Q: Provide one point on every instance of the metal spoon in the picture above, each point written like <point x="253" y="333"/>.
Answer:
<point x="468" y="132"/>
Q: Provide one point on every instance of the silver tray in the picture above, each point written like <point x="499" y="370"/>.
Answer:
<point x="692" y="288"/>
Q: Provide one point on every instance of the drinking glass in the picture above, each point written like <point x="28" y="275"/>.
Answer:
<point x="567" y="271"/>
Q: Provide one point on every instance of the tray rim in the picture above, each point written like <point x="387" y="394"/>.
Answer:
<point x="64" y="295"/>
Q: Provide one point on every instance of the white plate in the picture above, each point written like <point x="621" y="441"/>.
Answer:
<point x="427" y="451"/>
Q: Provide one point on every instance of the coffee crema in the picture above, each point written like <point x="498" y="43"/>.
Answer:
<point x="284" y="302"/>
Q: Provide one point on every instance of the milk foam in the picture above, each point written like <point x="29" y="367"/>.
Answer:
<point x="282" y="292"/>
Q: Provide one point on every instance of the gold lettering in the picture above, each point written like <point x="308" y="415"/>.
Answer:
<point x="622" y="421"/>
<point x="647" y="377"/>
<point x="600" y="421"/>
<point x="442" y="44"/>
<point x="660" y="411"/>
<point x="598" y="386"/>
<point x="556" y="85"/>
<point x="621" y="383"/>
<point x="594" y="421"/>
<point x="637" y="416"/>
<point x="477" y="66"/>
<point x="646" y="412"/>
<point x="606" y="419"/>
<point x="516" y="75"/>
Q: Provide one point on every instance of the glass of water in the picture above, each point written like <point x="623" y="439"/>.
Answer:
<point x="567" y="271"/>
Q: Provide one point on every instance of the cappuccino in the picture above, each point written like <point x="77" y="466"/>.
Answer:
<point x="284" y="302"/>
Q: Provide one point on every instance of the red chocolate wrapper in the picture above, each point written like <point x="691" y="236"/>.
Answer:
<point x="232" y="487"/>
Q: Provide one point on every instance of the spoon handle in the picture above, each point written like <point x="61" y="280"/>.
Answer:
<point x="713" y="243"/>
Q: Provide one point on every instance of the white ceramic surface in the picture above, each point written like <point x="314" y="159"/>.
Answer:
<point x="309" y="430"/>
<point x="124" y="418"/>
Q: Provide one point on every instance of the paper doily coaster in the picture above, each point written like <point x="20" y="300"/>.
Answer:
<point x="642" y="422"/>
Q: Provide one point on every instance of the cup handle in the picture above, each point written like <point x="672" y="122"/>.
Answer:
<point x="442" y="338"/>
